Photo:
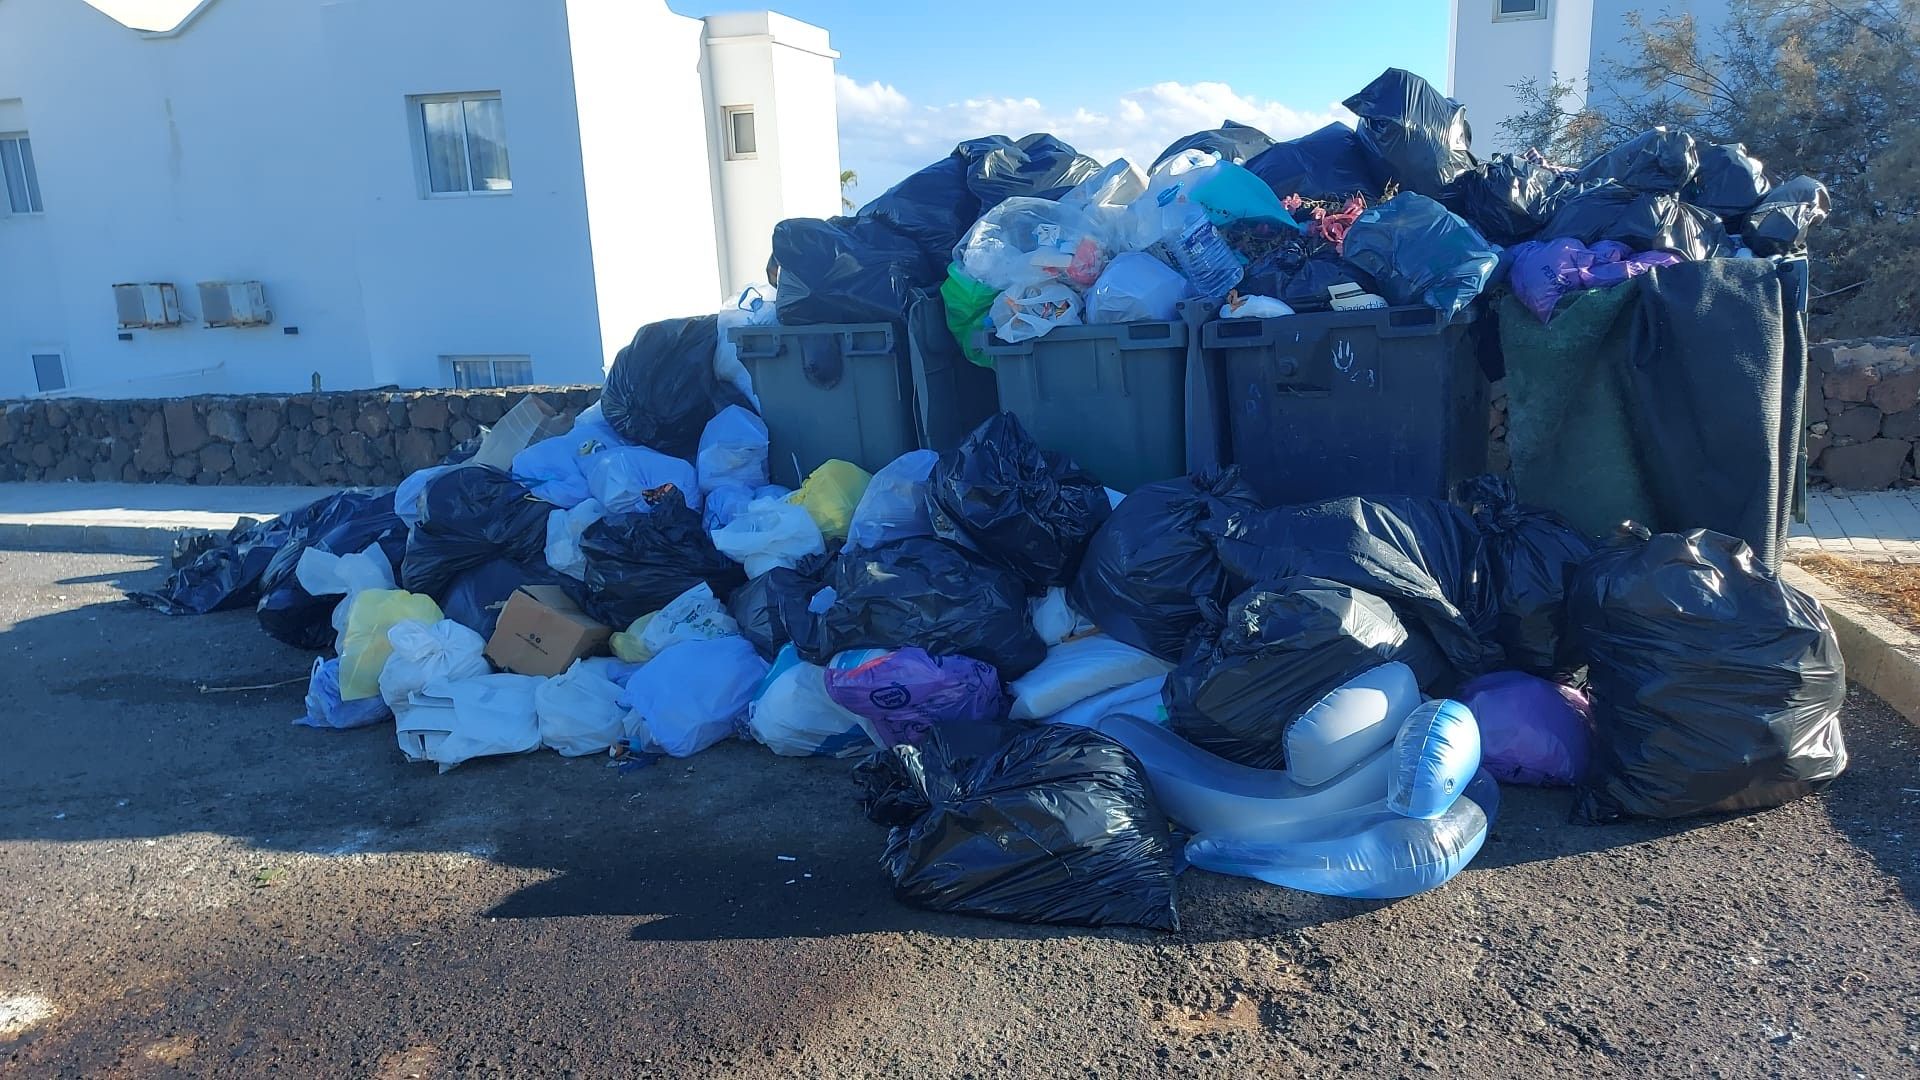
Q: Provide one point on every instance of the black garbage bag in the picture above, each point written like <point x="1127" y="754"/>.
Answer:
<point x="1024" y="508"/>
<point x="1419" y="252"/>
<point x="477" y="596"/>
<point x="1301" y="273"/>
<point x="930" y="593"/>
<point x="848" y="270"/>
<point x="1151" y="573"/>
<point x="928" y="211"/>
<point x="1283" y="645"/>
<point x="227" y="574"/>
<point x="772" y="608"/>
<point x="1661" y="160"/>
<point x="288" y="612"/>
<point x="1730" y="181"/>
<point x="1418" y="135"/>
<point x="1056" y="825"/>
<point x="1509" y="200"/>
<point x="1425" y="557"/>
<point x="637" y="563"/>
<point x="1644" y="221"/>
<point x="1232" y="140"/>
<point x="1715" y="685"/>
<point x="1330" y="164"/>
<point x="999" y="168"/>
<point x="1531" y="554"/>
<point x="469" y="516"/>
<point x="1780" y="223"/>
<point x="661" y="390"/>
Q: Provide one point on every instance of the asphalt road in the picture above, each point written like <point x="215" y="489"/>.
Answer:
<point x="191" y="886"/>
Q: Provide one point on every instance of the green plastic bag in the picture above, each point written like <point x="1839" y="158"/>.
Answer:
<point x="968" y="302"/>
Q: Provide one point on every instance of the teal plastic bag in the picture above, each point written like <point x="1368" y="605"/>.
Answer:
<point x="1230" y="193"/>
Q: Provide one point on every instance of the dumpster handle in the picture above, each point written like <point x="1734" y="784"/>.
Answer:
<point x="755" y="345"/>
<point x="885" y="348"/>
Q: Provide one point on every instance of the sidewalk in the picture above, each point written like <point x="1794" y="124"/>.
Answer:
<point x="1878" y="525"/>
<point x="138" y="519"/>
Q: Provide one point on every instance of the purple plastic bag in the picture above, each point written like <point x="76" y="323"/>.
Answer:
<point x="1532" y="731"/>
<point x="1545" y="270"/>
<point x="906" y="693"/>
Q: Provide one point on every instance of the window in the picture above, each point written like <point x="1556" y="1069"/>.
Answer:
<point x="49" y="371"/>
<point x="1514" y="10"/>
<point x="462" y="140"/>
<point x="482" y="372"/>
<point x="742" y="141"/>
<point x="16" y="168"/>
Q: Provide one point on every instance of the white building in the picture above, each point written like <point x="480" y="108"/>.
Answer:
<point x="1495" y="44"/>
<point x="429" y="192"/>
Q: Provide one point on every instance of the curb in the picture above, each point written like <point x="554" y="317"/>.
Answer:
<point x="91" y="539"/>
<point x="1880" y="656"/>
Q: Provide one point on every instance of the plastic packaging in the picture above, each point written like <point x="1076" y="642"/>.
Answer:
<point x="769" y="533"/>
<point x="1027" y="509"/>
<point x="661" y="389"/>
<point x="1532" y="731"/>
<point x="694" y="615"/>
<point x="627" y="480"/>
<point x="1779" y="224"/>
<point x="793" y="716"/>
<point x="1531" y="554"/>
<point x="409" y="499"/>
<point x="1197" y="248"/>
<point x="1730" y="181"/>
<point x="321" y="573"/>
<point x="629" y="645"/>
<point x="1032" y="241"/>
<point x="638" y="563"/>
<point x="1233" y="195"/>
<point x="1057" y="825"/>
<point x="1508" y="199"/>
<point x="1077" y="670"/>
<point x="931" y="594"/>
<point x="723" y="504"/>
<point x="326" y="710"/>
<point x="733" y="450"/>
<point x="1659" y="160"/>
<point x="1136" y="287"/>
<point x="1330" y="163"/>
<point x="687" y="698"/>
<point x="1150" y="570"/>
<point x="1418" y="135"/>
<point x="296" y="616"/>
<point x="1054" y="618"/>
<point x="1435" y="754"/>
<point x="969" y="303"/>
<point x="1716" y="686"/>
<point x="852" y="270"/>
<point x="1351" y="723"/>
<point x="902" y="695"/>
<point x="564" y="527"/>
<point x="1419" y="253"/>
<point x="1104" y="198"/>
<point x="423" y="654"/>
<point x="578" y="711"/>
<point x="894" y="506"/>
<point x="553" y="469"/>
<point x="1141" y="700"/>
<point x="229" y="573"/>
<point x="1231" y="141"/>
<point x="364" y="647"/>
<point x="1254" y="307"/>
<point x="1025" y="312"/>
<point x="755" y="305"/>
<point x="772" y="608"/>
<point x="1644" y="221"/>
<point x="1545" y="271"/>
<point x="471" y="515"/>
<point x="457" y="720"/>
<point x="830" y="494"/>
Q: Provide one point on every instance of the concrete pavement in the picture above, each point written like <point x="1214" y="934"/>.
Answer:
<point x="131" y="518"/>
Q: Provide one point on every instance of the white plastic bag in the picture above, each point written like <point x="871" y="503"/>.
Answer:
<point x="1104" y="198"/>
<point x="1027" y="312"/>
<point x="563" y="537"/>
<point x="894" y="506"/>
<point x="733" y="450"/>
<point x="687" y="698"/>
<point x="456" y="720"/>
<point x="1055" y="620"/>
<point x="770" y="533"/>
<point x="425" y="654"/>
<point x="793" y="716"/>
<point x="694" y="615"/>
<point x="1147" y="218"/>
<point x="620" y="478"/>
<point x="579" y="711"/>
<point x="322" y="573"/>
<point x="1254" y="307"/>
<point x="1136" y="287"/>
<point x="1141" y="699"/>
<point x="724" y="503"/>
<point x="754" y="306"/>
<point x="326" y="710"/>
<point x="407" y="497"/>
<point x="1025" y="240"/>
<point x="1077" y="670"/>
<point x="555" y="469"/>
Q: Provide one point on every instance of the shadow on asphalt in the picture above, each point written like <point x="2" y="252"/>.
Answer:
<point x="111" y="735"/>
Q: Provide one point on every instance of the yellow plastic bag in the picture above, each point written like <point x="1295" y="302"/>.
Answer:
<point x="830" y="495"/>
<point x="628" y="644"/>
<point x="364" y="648"/>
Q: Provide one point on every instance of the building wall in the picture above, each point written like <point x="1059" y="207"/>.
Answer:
<point x="1488" y="58"/>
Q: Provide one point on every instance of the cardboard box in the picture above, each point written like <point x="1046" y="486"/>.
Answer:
<point x="542" y="632"/>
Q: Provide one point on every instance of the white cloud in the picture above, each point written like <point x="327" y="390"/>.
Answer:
<point x="885" y="136"/>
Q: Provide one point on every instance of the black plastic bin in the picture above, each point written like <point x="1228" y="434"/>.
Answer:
<point x="1381" y="401"/>
<point x="832" y="391"/>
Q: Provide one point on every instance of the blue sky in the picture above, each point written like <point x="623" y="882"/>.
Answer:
<point x="1113" y="77"/>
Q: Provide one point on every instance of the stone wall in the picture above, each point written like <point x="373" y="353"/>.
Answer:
<point x="1863" y="412"/>
<point x="351" y="437"/>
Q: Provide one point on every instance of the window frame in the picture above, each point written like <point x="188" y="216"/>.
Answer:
<point x="451" y="363"/>
<point x="423" y="167"/>
<point x="1539" y="12"/>
<point x="66" y="375"/>
<point x="727" y="113"/>
<point x="35" y="198"/>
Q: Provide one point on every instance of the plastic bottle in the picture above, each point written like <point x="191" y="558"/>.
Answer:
<point x="1196" y="246"/>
